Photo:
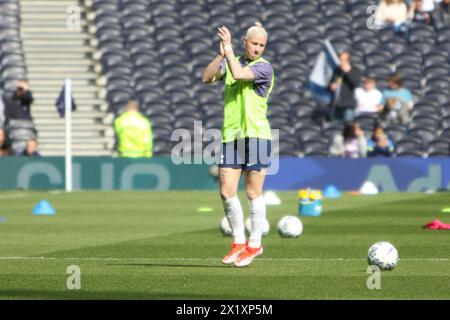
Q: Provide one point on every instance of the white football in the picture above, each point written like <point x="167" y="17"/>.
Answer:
<point x="290" y="227"/>
<point x="225" y="227"/>
<point x="384" y="255"/>
<point x="266" y="227"/>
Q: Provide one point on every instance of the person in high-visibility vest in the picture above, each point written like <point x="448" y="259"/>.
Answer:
<point x="249" y="80"/>
<point x="134" y="133"/>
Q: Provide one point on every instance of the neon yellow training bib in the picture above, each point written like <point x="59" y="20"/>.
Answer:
<point x="245" y="111"/>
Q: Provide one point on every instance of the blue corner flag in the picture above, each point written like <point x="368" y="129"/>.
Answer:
<point x="327" y="61"/>
<point x="61" y="103"/>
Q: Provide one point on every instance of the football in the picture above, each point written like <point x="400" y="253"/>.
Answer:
<point x="248" y="226"/>
<point x="384" y="255"/>
<point x="290" y="227"/>
<point x="225" y="227"/>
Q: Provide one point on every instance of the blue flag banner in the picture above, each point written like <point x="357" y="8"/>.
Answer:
<point x="61" y="103"/>
<point x="321" y="75"/>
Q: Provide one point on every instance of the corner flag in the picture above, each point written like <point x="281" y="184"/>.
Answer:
<point x="61" y="102"/>
<point x="320" y="77"/>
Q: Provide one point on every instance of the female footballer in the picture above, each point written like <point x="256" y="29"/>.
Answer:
<point x="246" y="135"/>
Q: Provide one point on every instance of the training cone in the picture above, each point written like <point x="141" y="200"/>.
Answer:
<point x="205" y="209"/>
<point x="331" y="192"/>
<point x="368" y="188"/>
<point x="271" y="198"/>
<point x="43" y="208"/>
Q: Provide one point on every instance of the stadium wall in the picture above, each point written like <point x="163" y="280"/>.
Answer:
<point x="105" y="173"/>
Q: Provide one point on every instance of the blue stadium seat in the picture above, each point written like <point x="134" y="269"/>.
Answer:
<point x="438" y="147"/>
<point x="408" y="147"/>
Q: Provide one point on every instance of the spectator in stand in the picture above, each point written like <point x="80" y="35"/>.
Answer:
<point x="443" y="12"/>
<point x="429" y="5"/>
<point x="31" y="149"/>
<point x="17" y="105"/>
<point x="351" y="144"/>
<point x="397" y="102"/>
<point x="421" y="11"/>
<point x="345" y="80"/>
<point x="379" y="144"/>
<point x="392" y="13"/>
<point x="4" y="149"/>
<point x="368" y="98"/>
<point x="134" y="133"/>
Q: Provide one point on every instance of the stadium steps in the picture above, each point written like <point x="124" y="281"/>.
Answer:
<point x="56" y="42"/>
<point x="59" y="29"/>
<point x="41" y="86"/>
<point x="57" y="54"/>
<point x="82" y="153"/>
<point x="57" y="70"/>
<point x="78" y="134"/>
<point x="83" y="141"/>
<point x="57" y="64"/>
<point x="56" y="23"/>
<point x="32" y="34"/>
<point x="85" y="107"/>
<point x="51" y="80"/>
<point x="55" y="50"/>
<point x="56" y="76"/>
<point x="85" y="97"/>
<point x="50" y="114"/>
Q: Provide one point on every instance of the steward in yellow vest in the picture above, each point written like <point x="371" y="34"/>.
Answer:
<point x="134" y="133"/>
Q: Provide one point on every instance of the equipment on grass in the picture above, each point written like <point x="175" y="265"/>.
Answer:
<point x="331" y="192"/>
<point x="205" y="209"/>
<point x="266" y="227"/>
<point x="384" y="255"/>
<point x="271" y="198"/>
<point x="368" y="188"/>
<point x="290" y="227"/>
<point x="225" y="227"/>
<point x="214" y="171"/>
<point x="44" y="208"/>
<point x="437" y="225"/>
<point x="309" y="202"/>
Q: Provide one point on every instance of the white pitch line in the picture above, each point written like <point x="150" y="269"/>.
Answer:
<point x="106" y="259"/>
<point x="13" y="196"/>
<point x="22" y="195"/>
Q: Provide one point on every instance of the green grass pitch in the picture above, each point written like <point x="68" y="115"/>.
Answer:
<point x="156" y="245"/>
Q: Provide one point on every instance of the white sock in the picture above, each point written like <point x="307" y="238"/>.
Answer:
<point x="235" y="215"/>
<point x="257" y="218"/>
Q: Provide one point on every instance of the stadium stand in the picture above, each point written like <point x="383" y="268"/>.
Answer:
<point x="57" y="45"/>
<point x="12" y="58"/>
<point x="13" y="68"/>
<point x="155" y="51"/>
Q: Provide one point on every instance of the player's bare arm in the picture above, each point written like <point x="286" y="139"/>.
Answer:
<point x="212" y="72"/>
<point x="238" y="72"/>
